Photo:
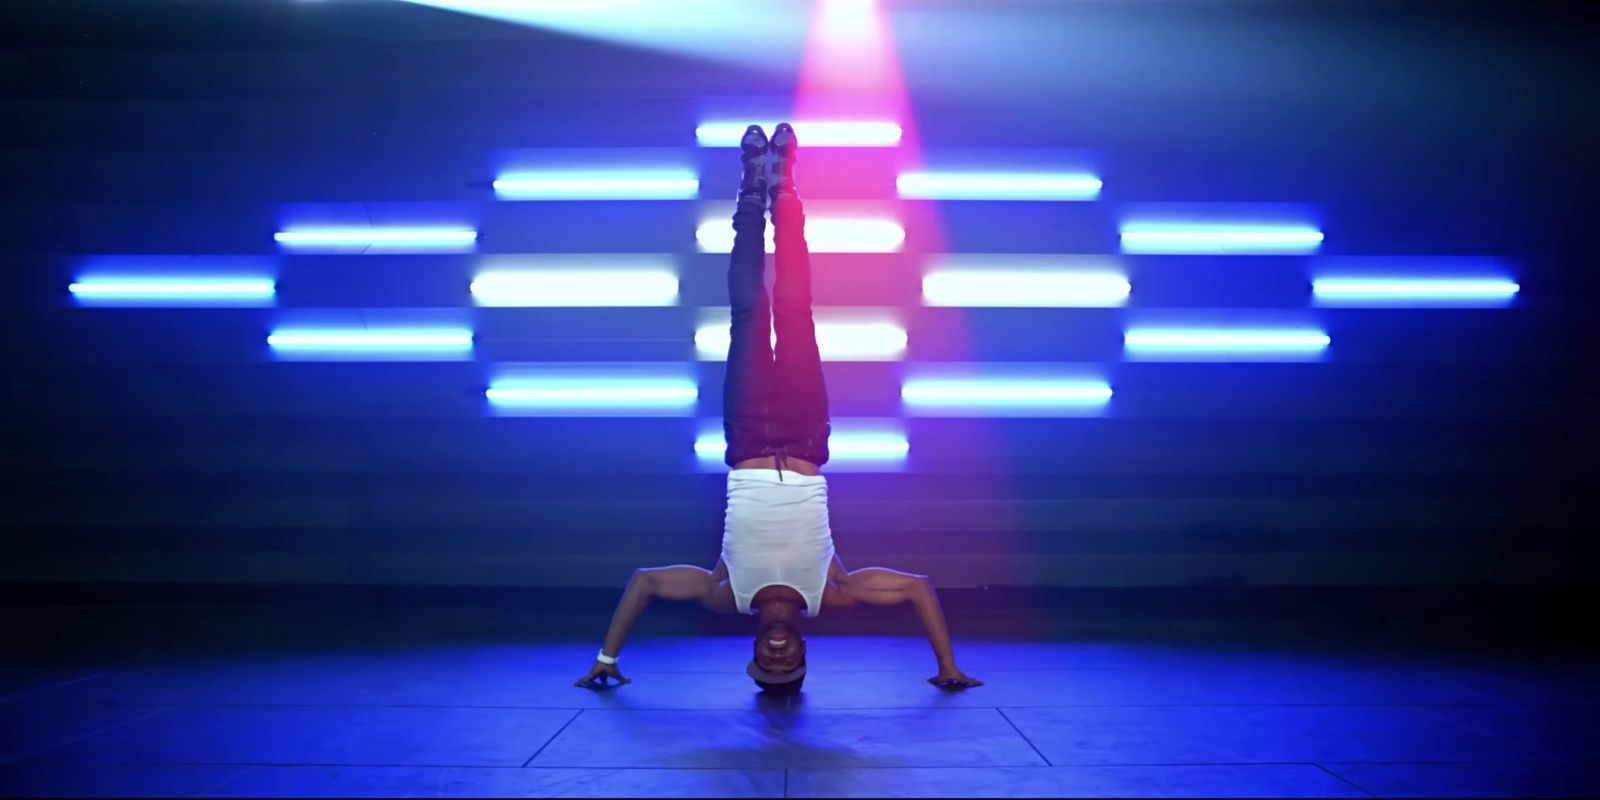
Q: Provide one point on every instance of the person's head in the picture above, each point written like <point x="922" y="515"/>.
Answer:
<point x="779" y="665"/>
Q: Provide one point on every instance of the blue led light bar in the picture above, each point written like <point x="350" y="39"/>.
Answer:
<point x="355" y="344"/>
<point x="812" y="133"/>
<point x="185" y="290"/>
<point x="998" y="186"/>
<point x="1007" y="397"/>
<point x="1020" y="288"/>
<point x="1413" y="291"/>
<point x="855" y="446"/>
<point x="598" y="185"/>
<point x="593" y="396"/>
<point x="1225" y="343"/>
<point x="593" y="288"/>
<point x="1219" y="239"/>
<point x="847" y="339"/>
<point x="378" y="239"/>
<point x="824" y="234"/>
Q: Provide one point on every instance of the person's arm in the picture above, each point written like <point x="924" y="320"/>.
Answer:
<point x="667" y="583"/>
<point x="884" y="587"/>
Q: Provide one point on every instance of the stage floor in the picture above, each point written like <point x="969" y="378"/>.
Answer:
<point x="465" y="717"/>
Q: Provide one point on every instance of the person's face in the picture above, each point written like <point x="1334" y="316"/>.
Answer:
<point x="779" y="648"/>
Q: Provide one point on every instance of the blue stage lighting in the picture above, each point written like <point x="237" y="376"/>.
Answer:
<point x="361" y="344"/>
<point x="597" y="185"/>
<point x="997" y="186"/>
<point x="1219" y="239"/>
<point x="812" y="133"/>
<point x="849" y="447"/>
<point x="726" y="30"/>
<point x="1225" y="343"/>
<point x="1413" y="291"/>
<point x="585" y="397"/>
<point x="842" y="335"/>
<point x="396" y="239"/>
<point x="824" y="234"/>
<point x="186" y="290"/>
<point x="591" y="287"/>
<point x="1007" y="397"/>
<point x="1024" y="281"/>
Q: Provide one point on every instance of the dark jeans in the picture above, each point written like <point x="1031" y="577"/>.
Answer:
<point x="773" y="404"/>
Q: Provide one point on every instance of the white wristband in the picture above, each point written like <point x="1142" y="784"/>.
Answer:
<point x="605" y="659"/>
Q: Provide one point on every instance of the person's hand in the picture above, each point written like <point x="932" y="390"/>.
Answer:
<point x="952" y="678"/>
<point x="598" y="676"/>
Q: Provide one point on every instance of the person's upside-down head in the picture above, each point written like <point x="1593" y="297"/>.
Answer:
<point x="779" y="665"/>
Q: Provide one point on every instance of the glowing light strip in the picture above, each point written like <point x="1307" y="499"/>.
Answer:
<point x="823" y="235"/>
<point x="178" y="290"/>
<point x="1023" y="288"/>
<point x="416" y="239"/>
<point x="1011" y="395"/>
<point x="1224" y="341"/>
<point x="997" y="186"/>
<point x="1201" y="239"/>
<point x="841" y="446"/>
<point x="593" y="395"/>
<point x="594" y="288"/>
<point x="390" y="341"/>
<point x="1432" y="291"/>
<point x="614" y="185"/>
<point x="812" y="133"/>
<point x="837" y="341"/>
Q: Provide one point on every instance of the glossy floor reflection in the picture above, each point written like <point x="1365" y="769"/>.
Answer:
<point x="1058" y="718"/>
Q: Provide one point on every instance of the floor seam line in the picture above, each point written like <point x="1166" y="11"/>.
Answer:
<point x="1358" y="787"/>
<point x="1537" y="752"/>
<point x="237" y="774"/>
<point x="552" y="738"/>
<point x="25" y="694"/>
<point x="1013" y="724"/>
<point x="23" y="756"/>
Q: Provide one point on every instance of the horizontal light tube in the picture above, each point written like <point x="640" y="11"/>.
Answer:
<point x="1220" y="239"/>
<point x="1023" y="288"/>
<point x="841" y="446"/>
<point x="413" y="239"/>
<point x="811" y="133"/>
<point x="593" y="396"/>
<point x="998" y="186"/>
<point x="598" y="185"/>
<point x="823" y="235"/>
<point x="184" y="290"/>
<point x="1374" y="291"/>
<point x="836" y="341"/>
<point x="1225" y="341"/>
<point x="391" y="342"/>
<point x="594" y="288"/>
<point x="1037" y="397"/>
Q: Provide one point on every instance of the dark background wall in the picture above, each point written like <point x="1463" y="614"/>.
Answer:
<point x="1431" y="446"/>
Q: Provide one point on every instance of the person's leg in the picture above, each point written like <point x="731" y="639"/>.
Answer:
<point x="747" y="390"/>
<point x="802" y="393"/>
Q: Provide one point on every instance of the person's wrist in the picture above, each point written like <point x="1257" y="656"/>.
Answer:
<point x="602" y="658"/>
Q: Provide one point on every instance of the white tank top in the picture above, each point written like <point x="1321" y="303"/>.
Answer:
<point x="776" y="533"/>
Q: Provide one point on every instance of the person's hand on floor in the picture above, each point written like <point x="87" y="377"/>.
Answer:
<point x="598" y="676"/>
